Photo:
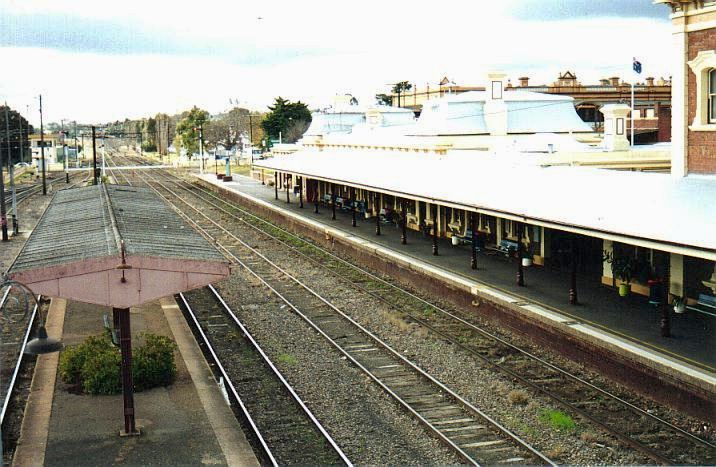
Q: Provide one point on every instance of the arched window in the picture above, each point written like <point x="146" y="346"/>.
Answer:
<point x="712" y="96"/>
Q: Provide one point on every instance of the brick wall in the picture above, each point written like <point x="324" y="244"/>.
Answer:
<point x="664" y="134"/>
<point x="701" y="144"/>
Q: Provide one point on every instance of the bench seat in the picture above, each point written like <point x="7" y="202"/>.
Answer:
<point x="706" y="304"/>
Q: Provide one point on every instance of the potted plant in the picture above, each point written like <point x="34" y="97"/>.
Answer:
<point x="623" y="269"/>
<point x="527" y="255"/>
<point x="679" y="305"/>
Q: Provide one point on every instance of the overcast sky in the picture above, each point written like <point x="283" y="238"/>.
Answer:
<point x="101" y="61"/>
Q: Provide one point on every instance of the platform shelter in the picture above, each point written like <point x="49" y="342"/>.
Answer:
<point x="115" y="246"/>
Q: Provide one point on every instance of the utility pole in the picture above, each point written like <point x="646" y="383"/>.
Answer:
<point x="251" y="139"/>
<point x="22" y="150"/>
<point x="11" y="172"/>
<point x="3" y="216"/>
<point x="64" y="152"/>
<point x="94" y="157"/>
<point x="77" y="152"/>
<point x="42" y="150"/>
<point x="201" y="148"/>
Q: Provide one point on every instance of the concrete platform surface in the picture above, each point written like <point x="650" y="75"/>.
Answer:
<point x="187" y="423"/>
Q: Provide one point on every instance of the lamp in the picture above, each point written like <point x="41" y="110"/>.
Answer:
<point x="41" y="344"/>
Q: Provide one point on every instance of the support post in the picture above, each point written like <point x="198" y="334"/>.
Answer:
<point x="520" y="269"/>
<point x="316" y="195"/>
<point x="121" y="316"/>
<point x="403" y="222"/>
<point x="376" y="203"/>
<point x="333" y="202"/>
<point x="353" y="207"/>
<point x="434" y="215"/>
<point x="286" y="182"/>
<point x="473" y="249"/>
<point x="665" y="320"/>
<point x="300" y="193"/>
<point x="573" y="300"/>
<point x="275" y="184"/>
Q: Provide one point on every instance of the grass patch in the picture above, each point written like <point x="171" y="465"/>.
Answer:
<point x="557" y="420"/>
<point x="287" y="358"/>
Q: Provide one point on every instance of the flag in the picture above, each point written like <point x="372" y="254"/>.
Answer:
<point x="636" y="64"/>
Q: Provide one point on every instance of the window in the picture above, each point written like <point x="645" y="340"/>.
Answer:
<point x="712" y="96"/>
<point x="704" y="69"/>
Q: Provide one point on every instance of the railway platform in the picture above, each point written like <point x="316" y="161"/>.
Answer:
<point x="628" y="328"/>
<point x="187" y="423"/>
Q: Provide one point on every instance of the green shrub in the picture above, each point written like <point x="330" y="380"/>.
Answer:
<point x="153" y="363"/>
<point x="95" y="364"/>
<point x="72" y="359"/>
<point x="101" y="373"/>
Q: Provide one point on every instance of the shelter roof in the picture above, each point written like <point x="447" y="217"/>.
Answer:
<point x="674" y="214"/>
<point x="87" y="233"/>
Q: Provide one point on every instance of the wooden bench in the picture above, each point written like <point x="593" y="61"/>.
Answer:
<point x="706" y="304"/>
<point x="467" y="239"/>
<point x="506" y="247"/>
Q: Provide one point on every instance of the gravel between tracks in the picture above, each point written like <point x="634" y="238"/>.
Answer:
<point x="369" y="427"/>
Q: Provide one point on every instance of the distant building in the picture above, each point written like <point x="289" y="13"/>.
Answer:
<point x="51" y="142"/>
<point x="694" y="116"/>
<point x="652" y="98"/>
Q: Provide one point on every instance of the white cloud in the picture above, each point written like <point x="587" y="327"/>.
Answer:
<point x="356" y="48"/>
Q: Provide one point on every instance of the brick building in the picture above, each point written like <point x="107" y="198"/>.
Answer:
<point x="694" y="105"/>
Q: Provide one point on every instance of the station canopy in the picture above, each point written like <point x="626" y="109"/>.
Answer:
<point x="646" y="209"/>
<point x="115" y="246"/>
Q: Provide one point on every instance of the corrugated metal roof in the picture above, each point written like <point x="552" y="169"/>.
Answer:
<point x="91" y="222"/>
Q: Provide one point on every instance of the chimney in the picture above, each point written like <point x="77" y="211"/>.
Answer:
<point x="614" y="80"/>
<point x="524" y="81"/>
<point x="650" y="81"/>
<point x="495" y="108"/>
<point x="604" y="82"/>
<point x="615" y="128"/>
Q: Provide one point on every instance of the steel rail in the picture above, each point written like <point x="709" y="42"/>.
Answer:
<point x="280" y="376"/>
<point x="224" y="374"/>
<point x="639" y="411"/>
<point x="18" y="364"/>
<point x="506" y="432"/>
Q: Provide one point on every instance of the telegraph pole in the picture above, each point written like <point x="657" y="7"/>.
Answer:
<point x="42" y="150"/>
<point x="11" y="172"/>
<point x="94" y="157"/>
<point x="3" y="215"/>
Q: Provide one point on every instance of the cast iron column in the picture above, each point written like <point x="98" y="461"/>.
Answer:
<point x="664" y="322"/>
<point x="473" y="252"/>
<point x="434" y="211"/>
<point x="376" y="203"/>
<point x="573" y="279"/>
<point x="288" y="200"/>
<point x="333" y="202"/>
<point x="125" y="344"/>
<point x="300" y="193"/>
<point x="316" y="195"/>
<point x="275" y="184"/>
<point x="353" y="206"/>
<point x="403" y="222"/>
<point x="520" y="269"/>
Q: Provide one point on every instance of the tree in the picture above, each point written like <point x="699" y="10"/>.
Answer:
<point x="187" y="130"/>
<point x="19" y="129"/>
<point x="400" y="88"/>
<point x="383" y="99"/>
<point x="284" y="115"/>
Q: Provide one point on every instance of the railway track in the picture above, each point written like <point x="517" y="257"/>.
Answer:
<point x="641" y="428"/>
<point x="284" y="428"/>
<point x="471" y="433"/>
<point x="662" y="441"/>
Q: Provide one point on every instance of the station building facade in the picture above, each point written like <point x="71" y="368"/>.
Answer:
<point x="652" y="115"/>
<point x="506" y="168"/>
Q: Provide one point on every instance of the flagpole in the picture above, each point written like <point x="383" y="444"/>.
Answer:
<point x="632" y="112"/>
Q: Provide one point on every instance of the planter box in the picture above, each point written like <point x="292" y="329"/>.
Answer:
<point x="227" y="178"/>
